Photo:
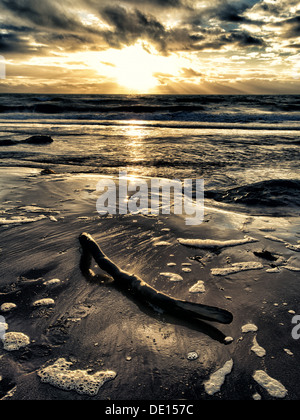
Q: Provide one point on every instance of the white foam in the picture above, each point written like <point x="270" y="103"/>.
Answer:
<point x="236" y="268"/>
<point x="216" y="380"/>
<point x="172" y="276"/>
<point x="51" y="282"/>
<point x="7" y="306"/>
<point x="295" y="248"/>
<point x="60" y="376"/>
<point x="192" y="355"/>
<point x="273" y="270"/>
<point x="210" y="243"/>
<point x="161" y="243"/>
<point x="249" y="328"/>
<point x="198" y="287"/>
<point x="287" y="244"/>
<point x="274" y="238"/>
<point x="291" y="268"/>
<point x="14" y="341"/>
<point x="257" y="349"/>
<point x="20" y="220"/>
<point x="43" y="302"/>
<point x="36" y="209"/>
<point x="256" y="396"/>
<point x="272" y="386"/>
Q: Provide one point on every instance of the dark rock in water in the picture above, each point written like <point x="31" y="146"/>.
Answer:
<point x="38" y="140"/>
<point x="47" y="171"/>
<point x="30" y="140"/>
<point x="272" y="193"/>
<point x="7" y="142"/>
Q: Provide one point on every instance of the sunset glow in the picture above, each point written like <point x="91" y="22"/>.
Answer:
<point x="173" y="46"/>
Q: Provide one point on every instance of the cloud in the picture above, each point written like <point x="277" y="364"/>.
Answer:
<point x="231" y="12"/>
<point x="291" y="27"/>
<point x="46" y="13"/>
<point x="223" y="13"/>
<point x="130" y="25"/>
<point x="160" y="3"/>
<point x="58" y="24"/>
<point x="197" y="30"/>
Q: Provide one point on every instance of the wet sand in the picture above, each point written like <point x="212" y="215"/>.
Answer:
<point x="99" y="328"/>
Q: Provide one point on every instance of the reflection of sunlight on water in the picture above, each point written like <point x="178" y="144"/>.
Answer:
<point x="136" y="135"/>
<point x="135" y="130"/>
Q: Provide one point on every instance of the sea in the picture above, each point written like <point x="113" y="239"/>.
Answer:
<point x="245" y="147"/>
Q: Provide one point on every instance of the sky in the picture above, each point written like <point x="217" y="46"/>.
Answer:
<point x="150" y="46"/>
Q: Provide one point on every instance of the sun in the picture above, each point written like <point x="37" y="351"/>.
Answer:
<point x="138" y="68"/>
<point x="135" y="67"/>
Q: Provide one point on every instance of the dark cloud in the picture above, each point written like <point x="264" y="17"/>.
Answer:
<point x="130" y="25"/>
<point x="243" y="39"/>
<point x="56" y="24"/>
<point x="239" y="39"/>
<point x="46" y="13"/>
<point x="11" y="42"/>
<point x="224" y="12"/>
<point x="231" y="12"/>
<point x="292" y="27"/>
<point x="275" y="9"/>
<point x="160" y="3"/>
<point x="145" y="5"/>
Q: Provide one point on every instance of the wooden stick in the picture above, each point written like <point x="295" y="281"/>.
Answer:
<point x="143" y="291"/>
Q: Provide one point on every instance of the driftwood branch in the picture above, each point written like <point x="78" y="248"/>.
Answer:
<point x="143" y="291"/>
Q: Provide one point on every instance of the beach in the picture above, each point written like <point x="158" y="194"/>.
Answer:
<point x="243" y="257"/>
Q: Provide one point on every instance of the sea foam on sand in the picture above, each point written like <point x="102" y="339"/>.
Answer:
<point x="257" y="349"/>
<point x="216" y="380"/>
<point x="210" y="243"/>
<point x="14" y="341"/>
<point x="20" y="220"/>
<point x="60" y="376"/>
<point x="7" y="306"/>
<point x="249" y="328"/>
<point x="236" y="268"/>
<point x="172" y="276"/>
<point x="44" y="302"/>
<point x="272" y="386"/>
<point x="198" y="287"/>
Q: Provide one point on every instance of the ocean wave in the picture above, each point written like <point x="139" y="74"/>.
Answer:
<point x="181" y="108"/>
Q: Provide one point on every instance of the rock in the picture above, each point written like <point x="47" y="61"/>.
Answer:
<point x="30" y="140"/>
<point x="47" y="171"/>
<point x="8" y="142"/>
<point x="38" y="140"/>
